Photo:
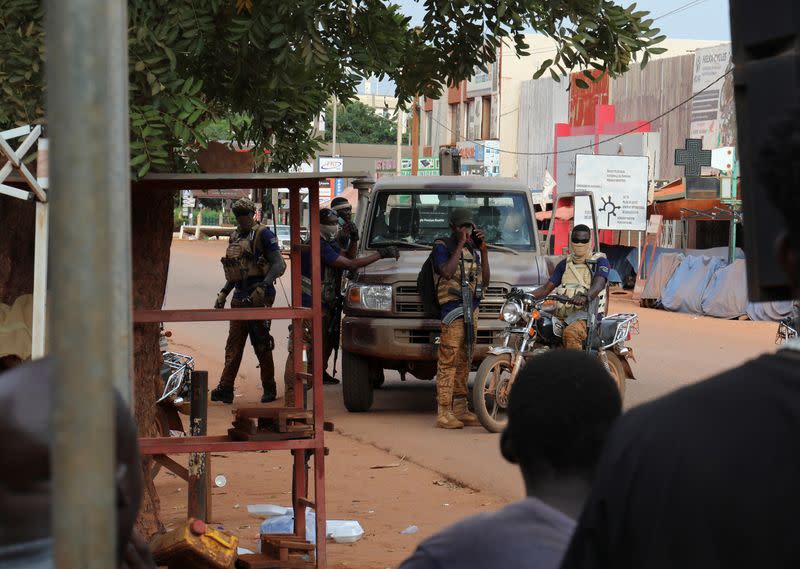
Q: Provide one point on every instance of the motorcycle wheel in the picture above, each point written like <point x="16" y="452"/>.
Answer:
<point x="617" y="371"/>
<point x="490" y="392"/>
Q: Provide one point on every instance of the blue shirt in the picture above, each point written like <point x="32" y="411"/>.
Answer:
<point x="441" y="254"/>
<point x="527" y="534"/>
<point x="602" y="269"/>
<point x="329" y="251"/>
<point x="243" y="288"/>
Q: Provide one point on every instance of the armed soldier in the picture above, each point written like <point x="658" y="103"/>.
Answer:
<point x="251" y="263"/>
<point x="462" y="265"/>
<point x="581" y="276"/>
<point x="348" y="232"/>
<point x="333" y="262"/>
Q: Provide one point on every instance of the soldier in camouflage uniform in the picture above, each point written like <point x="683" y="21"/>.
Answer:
<point x="252" y="263"/>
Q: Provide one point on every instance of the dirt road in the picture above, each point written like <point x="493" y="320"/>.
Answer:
<point x="672" y="350"/>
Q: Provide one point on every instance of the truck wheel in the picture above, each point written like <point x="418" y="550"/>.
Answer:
<point x="356" y="383"/>
<point x="490" y="392"/>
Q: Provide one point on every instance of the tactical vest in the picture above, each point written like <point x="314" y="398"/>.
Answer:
<point x="449" y="290"/>
<point x="244" y="258"/>
<point x="577" y="278"/>
<point x="331" y="283"/>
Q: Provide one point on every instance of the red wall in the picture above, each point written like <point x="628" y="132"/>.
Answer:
<point x="583" y="102"/>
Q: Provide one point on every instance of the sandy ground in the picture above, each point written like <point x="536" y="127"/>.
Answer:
<point x="672" y="350"/>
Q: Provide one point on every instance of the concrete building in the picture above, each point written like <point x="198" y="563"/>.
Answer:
<point x="482" y="116"/>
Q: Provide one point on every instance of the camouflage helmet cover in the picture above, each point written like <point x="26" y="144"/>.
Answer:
<point x="243" y="206"/>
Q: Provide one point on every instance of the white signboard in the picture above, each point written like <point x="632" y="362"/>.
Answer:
<point x="330" y="165"/>
<point x="619" y="184"/>
<point x="707" y="107"/>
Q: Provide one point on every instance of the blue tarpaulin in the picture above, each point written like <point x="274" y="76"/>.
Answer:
<point x="684" y="291"/>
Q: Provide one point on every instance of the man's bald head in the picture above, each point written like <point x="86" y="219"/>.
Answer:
<point x="25" y="437"/>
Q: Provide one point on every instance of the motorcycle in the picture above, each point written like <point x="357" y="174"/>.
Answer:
<point x="787" y="330"/>
<point x="532" y="330"/>
<point x="176" y="373"/>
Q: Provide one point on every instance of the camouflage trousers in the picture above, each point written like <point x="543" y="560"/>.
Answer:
<point x="260" y="339"/>
<point x="575" y="335"/>
<point x="452" y="369"/>
<point x="308" y="340"/>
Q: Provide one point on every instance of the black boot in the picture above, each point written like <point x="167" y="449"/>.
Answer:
<point x="222" y="393"/>
<point x="270" y="394"/>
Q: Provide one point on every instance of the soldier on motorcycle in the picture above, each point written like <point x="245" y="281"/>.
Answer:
<point x="582" y="276"/>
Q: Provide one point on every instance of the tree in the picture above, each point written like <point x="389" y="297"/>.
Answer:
<point x="359" y="123"/>
<point x="194" y="62"/>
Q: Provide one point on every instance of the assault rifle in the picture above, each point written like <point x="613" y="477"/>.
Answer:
<point x="466" y="303"/>
<point x="335" y="326"/>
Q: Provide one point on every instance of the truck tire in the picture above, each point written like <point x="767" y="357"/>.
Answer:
<point x="356" y="383"/>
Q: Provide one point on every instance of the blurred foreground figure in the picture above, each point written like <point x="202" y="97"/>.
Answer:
<point x="25" y="476"/>
<point x="561" y="408"/>
<point x="707" y="476"/>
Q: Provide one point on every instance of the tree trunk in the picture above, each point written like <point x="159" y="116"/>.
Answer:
<point x="16" y="248"/>
<point x="151" y="229"/>
<point x="151" y="236"/>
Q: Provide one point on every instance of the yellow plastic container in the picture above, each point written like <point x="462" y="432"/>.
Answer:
<point x="194" y="545"/>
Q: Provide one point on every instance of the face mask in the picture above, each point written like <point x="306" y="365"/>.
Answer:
<point x="328" y="232"/>
<point x="580" y="251"/>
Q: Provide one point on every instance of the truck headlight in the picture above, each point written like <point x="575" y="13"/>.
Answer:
<point x="511" y="312"/>
<point x="370" y="297"/>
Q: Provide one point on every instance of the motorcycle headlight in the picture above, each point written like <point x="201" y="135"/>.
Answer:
<point x="370" y="297"/>
<point x="511" y="311"/>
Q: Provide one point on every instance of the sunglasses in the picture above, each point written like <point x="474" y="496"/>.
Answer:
<point x="584" y="240"/>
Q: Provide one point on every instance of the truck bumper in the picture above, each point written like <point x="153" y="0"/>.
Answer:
<point x="408" y="338"/>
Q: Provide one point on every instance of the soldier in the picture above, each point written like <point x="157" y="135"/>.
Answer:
<point x="348" y="232"/>
<point x="333" y="262"/>
<point x="252" y="263"/>
<point x="581" y="276"/>
<point x="463" y="258"/>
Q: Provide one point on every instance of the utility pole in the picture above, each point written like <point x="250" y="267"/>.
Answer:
<point x="90" y="325"/>
<point x="333" y="139"/>
<point x="399" y="141"/>
<point x="415" y="137"/>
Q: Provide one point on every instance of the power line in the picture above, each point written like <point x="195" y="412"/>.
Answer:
<point x="686" y="6"/>
<point x="586" y="147"/>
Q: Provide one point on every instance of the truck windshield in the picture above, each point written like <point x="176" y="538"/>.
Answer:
<point x="420" y="218"/>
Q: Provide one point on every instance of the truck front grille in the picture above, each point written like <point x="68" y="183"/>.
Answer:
<point x="408" y="303"/>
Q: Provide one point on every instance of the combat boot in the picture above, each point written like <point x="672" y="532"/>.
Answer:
<point x="270" y="393"/>
<point x="463" y="414"/>
<point x="222" y="393"/>
<point x="446" y="420"/>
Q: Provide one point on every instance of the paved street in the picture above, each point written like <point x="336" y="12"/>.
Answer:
<point x="672" y="350"/>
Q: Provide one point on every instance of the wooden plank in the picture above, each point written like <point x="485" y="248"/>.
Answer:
<point x="219" y="314"/>
<point x="261" y="561"/>
<point x="216" y="443"/>
<point x="39" y="320"/>
<point x="178" y="469"/>
<point x="238" y="435"/>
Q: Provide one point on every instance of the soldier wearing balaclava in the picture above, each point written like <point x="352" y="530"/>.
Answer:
<point x="582" y="277"/>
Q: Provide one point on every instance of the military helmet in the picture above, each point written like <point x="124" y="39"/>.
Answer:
<point x="339" y="203"/>
<point x="327" y="215"/>
<point x="243" y="206"/>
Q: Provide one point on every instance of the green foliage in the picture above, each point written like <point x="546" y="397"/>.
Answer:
<point x="358" y="123"/>
<point x="194" y="63"/>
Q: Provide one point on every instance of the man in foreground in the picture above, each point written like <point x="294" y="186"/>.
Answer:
<point x="252" y="263"/>
<point x="25" y="478"/>
<point x="460" y="262"/>
<point x="708" y="475"/>
<point x="561" y="408"/>
<point x="582" y="277"/>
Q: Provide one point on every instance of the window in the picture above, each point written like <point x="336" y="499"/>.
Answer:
<point x="455" y="123"/>
<point x="417" y="219"/>
<point x="428" y="128"/>
<point x="486" y="118"/>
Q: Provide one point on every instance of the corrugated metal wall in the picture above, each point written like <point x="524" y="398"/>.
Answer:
<point x="644" y="94"/>
<point x="542" y="104"/>
<point x="583" y="102"/>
